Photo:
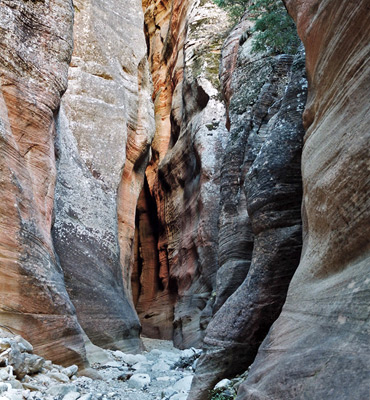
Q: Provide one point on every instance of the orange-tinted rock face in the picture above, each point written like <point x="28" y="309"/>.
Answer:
<point x="182" y="189"/>
<point x="36" y="44"/>
<point x="165" y="23"/>
<point x="319" y="346"/>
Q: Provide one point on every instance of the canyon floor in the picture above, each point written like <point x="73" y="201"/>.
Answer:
<point x="159" y="372"/>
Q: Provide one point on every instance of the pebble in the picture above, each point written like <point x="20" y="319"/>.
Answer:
<point x="138" y="381"/>
<point x="160" y="366"/>
<point x="118" y="354"/>
<point x="4" y="375"/>
<point x="32" y="386"/>
<point x="86" y="397"/>
<point x="48" y="365"/>
<point x="61" y="390"/>
<point x="23" y="344"/>
<point x="70" y="371"/>
<point x="132" y="359"/>
<point x="140" y="366"/>
<point x="223" y="384"/>
<point x="15" y="384"/>
<point x="150" y="375"/>
<point x="72" y="396"/>
<point x="183" y="384"/>
<point x="179" y="396"/>
<point x="58" y="376"/>
<point x="4" y="387"/>
<point x="14" y="394"/>
<point x="43" y="379"/>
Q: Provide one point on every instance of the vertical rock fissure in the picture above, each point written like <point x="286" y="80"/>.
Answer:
<point x="183" y="174"/>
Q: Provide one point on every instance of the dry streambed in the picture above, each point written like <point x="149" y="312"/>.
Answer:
<point x="160" y="372"/>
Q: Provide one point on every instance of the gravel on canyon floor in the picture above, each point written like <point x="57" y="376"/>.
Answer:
<point x="159" y="372"/>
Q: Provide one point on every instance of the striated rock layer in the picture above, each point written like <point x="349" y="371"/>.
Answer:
<point x="153" y="293"/>
<point x="35" y="49"/>
<point x="105" y="126"/>
<point x="260" y="220"/>
<point x="190" y="175"/>
<point x="176" y="257"/>
<point x="319" y="346"/>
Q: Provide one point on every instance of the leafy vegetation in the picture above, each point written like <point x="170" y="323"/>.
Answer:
<point x="223" y="393"/>
<point x="274" y="30"/>
<point x="222" y="396"/>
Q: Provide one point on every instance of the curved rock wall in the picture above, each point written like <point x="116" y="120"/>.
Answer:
<point x="184" y="172"/>
<point x="319" y="346"/>
<point x="35" y="49"/>
<point x="191" y="173"/>
<point x="154" y="294"/>
<point x="105" y="126"/>
<point x="261" y="194"/>
<point x="209" y="234"/>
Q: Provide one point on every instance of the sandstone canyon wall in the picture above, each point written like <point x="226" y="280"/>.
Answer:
<point x="165" y="182"/>
<point x="261" y="193"/>
<point x="319" y="346"/>
<point x="36" y="46"/>
<point x="105" y="126"/>
<point x="94" y="147"/>
<point x="183" y="175"/>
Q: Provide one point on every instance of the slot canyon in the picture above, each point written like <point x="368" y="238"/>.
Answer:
<point x="164" y="184"/>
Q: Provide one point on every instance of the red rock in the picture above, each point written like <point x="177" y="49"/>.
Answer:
<point x="36" y="44"/>
<point x="182" y="176"/>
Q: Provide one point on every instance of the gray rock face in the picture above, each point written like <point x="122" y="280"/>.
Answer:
<point x="99" y="111"/>
<point x="195" y="156"/>
<point x="264" y="153"/>
<point x="319" y="346"/>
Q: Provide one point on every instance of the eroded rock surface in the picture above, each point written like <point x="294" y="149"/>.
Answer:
<point x="105" y="125"/>
<point x="319" y="346"/>
<point x="176" y="284"/>
<point x="153" y="292"/>
<point x="35" y="50"/>
<point x="262" y="162"/>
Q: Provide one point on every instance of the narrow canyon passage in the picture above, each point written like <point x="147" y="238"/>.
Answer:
<point x="184" y="216"/>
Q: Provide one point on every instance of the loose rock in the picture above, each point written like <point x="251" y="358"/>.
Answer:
<point x="138" y="381"/>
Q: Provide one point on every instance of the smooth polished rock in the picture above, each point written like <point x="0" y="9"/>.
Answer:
<point x="319" y="346"/>
<point x="138" y="381"/>
<point x="36" y="45"/>
<point x="105" y="126"/>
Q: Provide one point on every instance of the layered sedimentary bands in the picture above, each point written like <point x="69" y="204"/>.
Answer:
<point x="176" y="257"/>
<point x="260" y="181"/>
<point x="36" y="46"/>
<point x="319" y="346"/>
<point x="105" y="126"/>
<point x="162" y="193"/>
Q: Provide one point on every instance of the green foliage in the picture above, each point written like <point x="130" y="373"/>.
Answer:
<point x="224" y="393"/>
<point x="274" y="30"/>
<point x="235" y="7"/>
<point x="221" y="396"/>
